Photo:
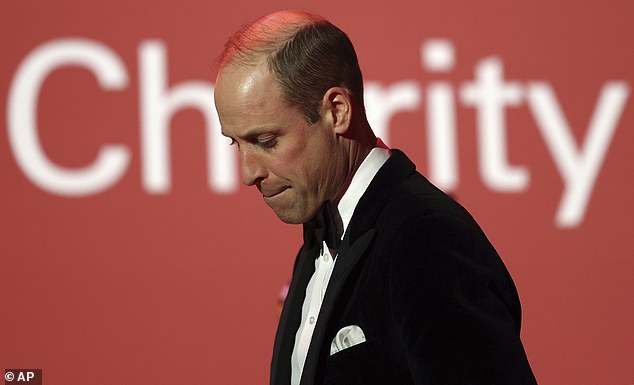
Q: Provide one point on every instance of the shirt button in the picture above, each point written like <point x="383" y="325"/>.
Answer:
<point x="311" y="320"/>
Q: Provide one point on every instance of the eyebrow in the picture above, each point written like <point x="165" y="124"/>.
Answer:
<point x="255" y="132"/>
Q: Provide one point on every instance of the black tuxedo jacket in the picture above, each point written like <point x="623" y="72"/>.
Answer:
<point x="416" y="273"/>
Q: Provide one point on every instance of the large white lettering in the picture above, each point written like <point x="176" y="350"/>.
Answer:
<point x="578" y="168"/>
<point x="158" y="105"/>
<point x="383" y="102"/>
<point x="437" y="55"/>
<point x="111" y="74"/>
<point x="490" y="94"/>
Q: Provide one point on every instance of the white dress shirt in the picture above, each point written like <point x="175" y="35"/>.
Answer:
<point x="325" y="264"/>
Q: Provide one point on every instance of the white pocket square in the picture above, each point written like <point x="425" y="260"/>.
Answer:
<point x="346" y="337"/>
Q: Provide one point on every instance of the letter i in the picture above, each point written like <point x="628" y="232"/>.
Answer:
<point x="437" y="55"/>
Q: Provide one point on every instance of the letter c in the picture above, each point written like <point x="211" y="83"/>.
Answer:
<point x="112" y="160"/>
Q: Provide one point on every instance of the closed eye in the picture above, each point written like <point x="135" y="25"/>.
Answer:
<point x="267" y="142"/>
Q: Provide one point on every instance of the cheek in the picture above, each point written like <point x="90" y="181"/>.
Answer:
<point x="292" y="161"/>
<point x="304" y="161"/>
<point x="286" y="166"/>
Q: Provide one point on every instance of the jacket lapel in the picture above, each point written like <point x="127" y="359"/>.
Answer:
<point x="389" y="178"/>
<point x="354" y="246"/>
<point x="291" y="314"/>
<point x="347" y="259"/>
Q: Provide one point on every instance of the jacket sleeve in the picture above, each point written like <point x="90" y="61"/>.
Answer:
<point x="455" y="306"/>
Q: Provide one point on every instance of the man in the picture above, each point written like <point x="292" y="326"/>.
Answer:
<point x="395" y="282"/>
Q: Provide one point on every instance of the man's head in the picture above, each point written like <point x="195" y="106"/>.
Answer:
<point x="289" y="95"/>
<point x="306" y="53"/>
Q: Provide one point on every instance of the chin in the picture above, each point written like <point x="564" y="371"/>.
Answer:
<point x="290" y="219"/>
<point x="293" y="217"/>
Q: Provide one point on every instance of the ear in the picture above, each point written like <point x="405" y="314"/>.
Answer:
<point x="337" y="109"/>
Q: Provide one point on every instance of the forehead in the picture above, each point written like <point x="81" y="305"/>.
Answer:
<point x="243" y="86"/>
<point x="248" y="98"/>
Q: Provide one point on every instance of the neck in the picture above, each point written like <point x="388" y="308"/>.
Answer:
<point x="361" y="141"/>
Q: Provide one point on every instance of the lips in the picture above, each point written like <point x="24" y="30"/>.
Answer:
<point x="270" y="193"/>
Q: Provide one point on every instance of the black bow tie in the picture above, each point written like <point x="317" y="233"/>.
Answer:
<point x="331" y="235"/>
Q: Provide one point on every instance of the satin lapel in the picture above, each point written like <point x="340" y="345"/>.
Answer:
<point x="353" y="247"/>
<point x="290" y="317"/>
<point x="347" y="259"/>
<point x="397" y="168"/>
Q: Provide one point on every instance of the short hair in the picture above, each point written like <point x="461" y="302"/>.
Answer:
<point x="306" y="54"/>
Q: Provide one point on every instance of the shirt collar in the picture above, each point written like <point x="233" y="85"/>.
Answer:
<point x="360" y="182"/>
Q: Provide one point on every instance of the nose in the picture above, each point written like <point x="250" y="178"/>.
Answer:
<point x="252" y="166"/>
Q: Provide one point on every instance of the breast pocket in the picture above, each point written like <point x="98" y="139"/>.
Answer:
<point x="354" y="365"/>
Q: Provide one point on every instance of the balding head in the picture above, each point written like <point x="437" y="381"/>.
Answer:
<point x="265" y="36"/>
<point x="306" y="54"/>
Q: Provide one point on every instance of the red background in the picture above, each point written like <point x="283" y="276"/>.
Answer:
<point x="126" y="286"/>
